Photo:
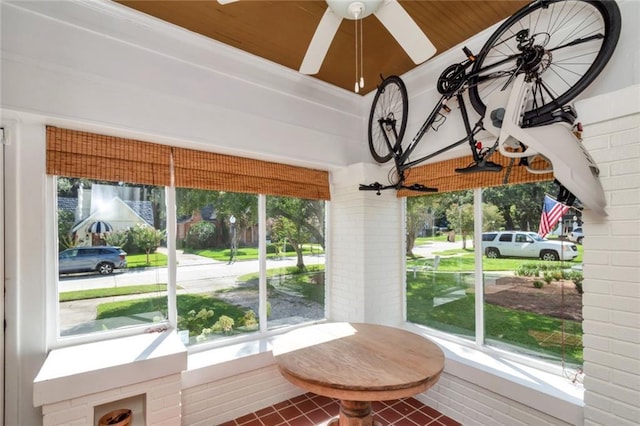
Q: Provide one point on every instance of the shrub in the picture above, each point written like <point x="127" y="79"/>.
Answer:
<point x="538" y="284"/>
<point x="195" y="322"/>
<point x="200" y="236"/>
<point x="224" y="324"/>
<point x="577" y="279"/>
<point x="117" y="239"/>
<point x="548" y="277"/>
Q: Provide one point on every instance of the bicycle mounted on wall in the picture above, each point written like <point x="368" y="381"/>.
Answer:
<point x="535" y="63"/>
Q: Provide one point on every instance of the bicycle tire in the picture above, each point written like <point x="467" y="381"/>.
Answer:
<point x="558" y="77"/>
<point x="390" y="103"/>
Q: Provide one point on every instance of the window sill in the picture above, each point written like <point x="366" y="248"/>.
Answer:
<point x="530" y="386"/>
<point x="227" y="361"/>
<point x="81" y="370"/>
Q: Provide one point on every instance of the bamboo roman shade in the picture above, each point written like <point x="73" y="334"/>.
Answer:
<point x="442" y="175"/>
<point x="206" y="170"/>
<point x="89" y="155"/>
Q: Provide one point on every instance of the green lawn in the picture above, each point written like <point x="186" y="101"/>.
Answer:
<point x="529" y="331"/>
<point x="140" y="260"/>
<point x="251" y="253"/>
<point x="463" y="260"/>
<point x="68" y="296"/>
<point x="193" y="308"/>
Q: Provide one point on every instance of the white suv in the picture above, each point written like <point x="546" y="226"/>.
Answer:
<point x="526" y="244"/>
<point x="576" y="235"/>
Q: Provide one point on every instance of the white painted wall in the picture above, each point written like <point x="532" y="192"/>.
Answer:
<point x="94" y="66"/>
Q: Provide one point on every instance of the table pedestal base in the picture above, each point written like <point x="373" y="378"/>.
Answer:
<point x="354" y="413"/>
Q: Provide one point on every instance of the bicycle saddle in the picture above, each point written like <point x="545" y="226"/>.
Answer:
<point x="481" y="166"/>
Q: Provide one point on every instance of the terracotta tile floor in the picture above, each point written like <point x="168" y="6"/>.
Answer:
<point x="315" y="410"/>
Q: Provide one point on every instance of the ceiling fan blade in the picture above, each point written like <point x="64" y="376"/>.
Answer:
<point x="317" y="50"/>
<point x="405" y="30"/>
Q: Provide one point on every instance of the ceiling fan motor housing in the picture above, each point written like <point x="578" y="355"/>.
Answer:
<point x="350" y="9"/>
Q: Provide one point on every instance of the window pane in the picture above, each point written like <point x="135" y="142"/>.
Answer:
<point x="531" y="306"/>
<point x="295" y="265"/>
<point x="440" y="262"/>
<point x="218" y="270"/>
<point x="112" y="261"/>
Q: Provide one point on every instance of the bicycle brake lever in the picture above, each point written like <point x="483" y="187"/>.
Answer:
<point x="376" y="186"/>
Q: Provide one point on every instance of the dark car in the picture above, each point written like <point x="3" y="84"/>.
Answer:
<point x="102" y="259"/>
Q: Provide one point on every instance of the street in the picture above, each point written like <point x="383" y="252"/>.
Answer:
<point x="192" y="271"/>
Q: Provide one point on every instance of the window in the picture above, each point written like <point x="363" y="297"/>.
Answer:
<point x="110" y="238"/>
<point x="506" y="238"/>
<point x="138" y="253"/>
<point x="530" y="306"/>
<point x="440" y="274"/>
<point x="295" y="261"/>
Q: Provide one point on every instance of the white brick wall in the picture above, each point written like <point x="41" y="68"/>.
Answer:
<point x="612" y="277"/>
<point x="223" y="400"/>
<point x="159" y="401"/>
<point x="365" y="233"/>
<point x="473" y="405"/>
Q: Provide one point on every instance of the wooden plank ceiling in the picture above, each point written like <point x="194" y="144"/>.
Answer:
<point x="280" y="31"/>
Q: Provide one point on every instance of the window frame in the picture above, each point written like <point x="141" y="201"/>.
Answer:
<point x="479" y="344"/>
<point x="55" y="341"/>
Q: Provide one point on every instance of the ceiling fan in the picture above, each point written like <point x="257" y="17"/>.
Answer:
<point x="390" y="13"/>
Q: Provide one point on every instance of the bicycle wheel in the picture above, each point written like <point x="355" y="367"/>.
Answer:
<point x="561" y="45"/>
<point x="388" y="118"/>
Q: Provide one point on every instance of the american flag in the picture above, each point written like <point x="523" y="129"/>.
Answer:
<point x="552" y="212"/>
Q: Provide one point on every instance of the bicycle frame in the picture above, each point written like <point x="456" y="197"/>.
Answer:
<point x="401" y="158"/>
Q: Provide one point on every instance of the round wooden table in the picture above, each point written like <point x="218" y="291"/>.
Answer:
<point x="358" y="363"/>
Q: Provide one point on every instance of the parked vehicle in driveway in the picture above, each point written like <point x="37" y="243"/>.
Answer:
<point x="526" y="244"/>
<point x="101" y="259"/>
<point x="576" y="235"/>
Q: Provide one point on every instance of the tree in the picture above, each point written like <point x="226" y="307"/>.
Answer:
<point x="244" y="207"/>
<point x="460" y="218"/>
<point x="298" y="220"/>
<point x="419" y="212"/>
<point x="491" y="218"/>
<point x="65" y="224"/>
<point x="520" y="205"/>
<point x="145" y="238"/>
